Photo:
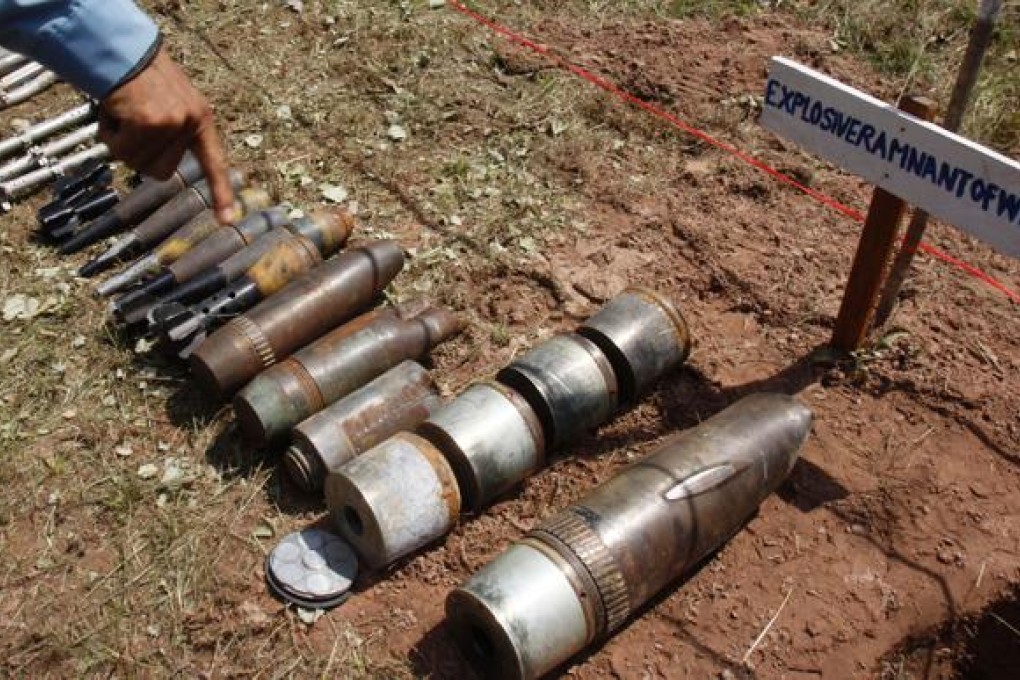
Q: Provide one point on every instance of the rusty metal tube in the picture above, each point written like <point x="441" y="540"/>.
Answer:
<point x="396" y="401"/>
<point x="392" y="499"/>
<point x="569" y="383"/>
<point x="138" y="204"/>
<point x="304" y="310"/>
<point x="492" y="438"/>
<point x="577" y="578"/>
<point x="643" y="335"/>
<point x="164" y="221"/>
<point x="334" y="366"/>
<point x="182" y="240"/>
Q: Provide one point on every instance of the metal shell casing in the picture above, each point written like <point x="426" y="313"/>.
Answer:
<point x="569" y="383"/>
<point x="643" y="336"/>
<point x="394" y="499"/>
<point x="226" y="241"/>
<point x="492" y="438"/>
<point x="396" y="401"/>
<point x="304" y="310"/>
<point x="623" y="543"/>
<point x="334" y="366"/>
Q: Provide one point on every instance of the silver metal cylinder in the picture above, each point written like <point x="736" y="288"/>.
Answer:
<point x="27" y="90"/>
<point x="27" y="183"/>
<point x="492" y="438"/>
<point x="397" y="400"/>
<point x="569" y="383"/>
<point x="627" y="540"/>
<point x="20" y="75"/>
<point x="643" y="335"/>
<point x="394" y="499"/>
<point x="48" y="153"/>
<point x="47" y="128"/>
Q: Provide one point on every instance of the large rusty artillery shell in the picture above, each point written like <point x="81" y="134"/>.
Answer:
<point x="643" y="336"/>
<point x="492" y="438"/>
<point x="579" y="576"/>
<point x="334" y="366"/>
<point x="393" y="499"/>
<point x="304" y="310"/>
<point x="568" y="381"/>
<point x="396" y="401"/>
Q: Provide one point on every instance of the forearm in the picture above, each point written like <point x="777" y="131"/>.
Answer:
<point x="94" y="44"/>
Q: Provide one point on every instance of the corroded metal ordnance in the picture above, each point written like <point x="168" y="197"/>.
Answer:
<point x="396" y="401"/>
<point x="334" y="366"/>
<point x="393" y="499"/>
<point x="136" y="205"/>
<point x="568" y="381"/>
<point x="325" y="230"/>
<point x="169" y="217"/>
<point x="304" y="310"/>
<point x="492" y="438"/>
<point x="182" y="240"/>
<point x="643" y="335"/>
<point x="212" y="250"/>
<point x="577" y="578"/>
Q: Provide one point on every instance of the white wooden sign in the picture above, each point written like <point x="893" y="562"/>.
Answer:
<point x="965" y="184"/>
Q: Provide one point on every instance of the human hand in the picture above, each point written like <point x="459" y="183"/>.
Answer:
<point x="151" y="120"/>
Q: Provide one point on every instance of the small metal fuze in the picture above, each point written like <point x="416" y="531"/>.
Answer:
<point x="577" y="578"/>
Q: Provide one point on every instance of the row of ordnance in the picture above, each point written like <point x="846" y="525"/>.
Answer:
<point x="577" y="577"/>
<point x="273" y="293"/>
<point x="409" y="490"/>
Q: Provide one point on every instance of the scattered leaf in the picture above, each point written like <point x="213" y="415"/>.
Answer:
<point x="397" y="133"/>
<point x="148" y="471"/>
<point x="309" y="616"/>
<point x="333" y="193"/>
<point x="253" y="141"/>
<point x="21" y="307"/>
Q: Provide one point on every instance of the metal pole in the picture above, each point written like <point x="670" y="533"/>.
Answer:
<point x="40" y="131"/>
<point x="26" y="183"/>
<point x="966" y="79"/>
<point x="48" y="154"/>
<point x="28" y="90"/>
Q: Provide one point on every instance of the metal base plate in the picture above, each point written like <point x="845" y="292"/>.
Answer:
<point x="314" y="569"/>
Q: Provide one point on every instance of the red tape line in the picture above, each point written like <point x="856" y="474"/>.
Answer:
<point x="622" y="94"/>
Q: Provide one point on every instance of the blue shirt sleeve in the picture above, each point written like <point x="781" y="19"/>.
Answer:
<point x="93" y="44"/>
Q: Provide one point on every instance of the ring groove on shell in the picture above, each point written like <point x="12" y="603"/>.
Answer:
<point x="573" y="533"/>
<point x="257" y="339"/>
<point x="308" y="384"/>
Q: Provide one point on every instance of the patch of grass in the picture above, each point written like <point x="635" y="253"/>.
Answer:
<point x="921" y="43"/>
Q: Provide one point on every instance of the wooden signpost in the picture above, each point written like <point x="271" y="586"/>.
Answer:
<point x="910" y="159"/>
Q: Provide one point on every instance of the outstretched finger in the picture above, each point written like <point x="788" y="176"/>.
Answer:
<point x="208" y="149"/>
